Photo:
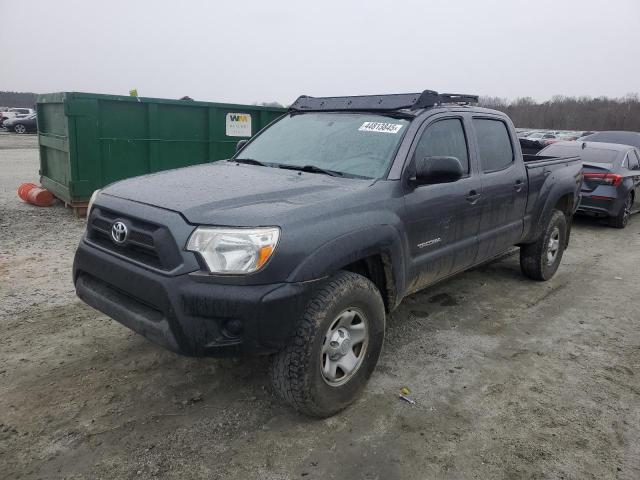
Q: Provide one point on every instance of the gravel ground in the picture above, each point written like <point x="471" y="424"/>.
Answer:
<point x="512" y="378"/>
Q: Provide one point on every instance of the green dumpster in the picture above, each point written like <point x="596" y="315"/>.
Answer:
<point x="89" y="140"/>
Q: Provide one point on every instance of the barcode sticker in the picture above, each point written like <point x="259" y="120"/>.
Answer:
<point x="380" y="127"/>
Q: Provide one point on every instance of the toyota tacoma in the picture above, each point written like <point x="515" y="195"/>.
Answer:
<point x="301" y="243"/>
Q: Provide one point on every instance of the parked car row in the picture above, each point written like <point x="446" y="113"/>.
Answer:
<point x="547" y="137"/>
<point x="7" y="113"/>
<point x="19" y="120"/>
<point x="532" y="141"/>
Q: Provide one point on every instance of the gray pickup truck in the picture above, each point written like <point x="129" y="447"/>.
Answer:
<point x="298" y="245"/>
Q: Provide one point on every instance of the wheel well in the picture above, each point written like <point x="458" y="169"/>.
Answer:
<point x="377" y="268"/>
<point x="565" y="205"/>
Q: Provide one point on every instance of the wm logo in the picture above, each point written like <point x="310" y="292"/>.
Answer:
<point x="239" y="118"/>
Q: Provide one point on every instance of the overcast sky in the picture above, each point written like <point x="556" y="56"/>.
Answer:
<point x="245" y="51"/>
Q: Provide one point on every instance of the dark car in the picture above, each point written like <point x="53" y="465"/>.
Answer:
<point x="611" y="178"/>
<point x="319" y="225"/>
<point x="22" y="124"/>
<point x="621" y="137"/>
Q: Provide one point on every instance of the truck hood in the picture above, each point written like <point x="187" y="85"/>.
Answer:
<point x="226" y="193"/>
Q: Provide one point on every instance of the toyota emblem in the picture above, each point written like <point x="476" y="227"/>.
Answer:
<point x="119" y="232"/>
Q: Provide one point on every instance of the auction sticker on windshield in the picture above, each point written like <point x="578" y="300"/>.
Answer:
<point x="380" y="127"/>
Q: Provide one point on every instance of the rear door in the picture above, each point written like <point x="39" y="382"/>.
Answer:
<point x="442" y="219"/>
<point x="504" y="186"/>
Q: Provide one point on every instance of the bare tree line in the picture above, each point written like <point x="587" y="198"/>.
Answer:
<point x="17" y="99"/>
<point x="571" y="113"/>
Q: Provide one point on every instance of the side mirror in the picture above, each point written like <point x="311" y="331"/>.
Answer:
<point x="241" y="144"/>
<point x="437" y="170"/>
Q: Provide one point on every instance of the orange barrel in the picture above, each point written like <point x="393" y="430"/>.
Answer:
<point x="40" y="197"/>
<point x="24" y="189"/>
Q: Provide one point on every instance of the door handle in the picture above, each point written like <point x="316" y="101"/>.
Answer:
<point x="518" y="185"/>
<point x="473" y="197"/>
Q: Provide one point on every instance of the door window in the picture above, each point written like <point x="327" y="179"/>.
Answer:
<point x="444" y="138"/>
<point x="633" y="160"/>
<point x="494" y="144"/>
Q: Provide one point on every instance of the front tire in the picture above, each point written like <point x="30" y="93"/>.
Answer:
<point x="622" y="218"/>
<point x="334" y="348"/>
<point x="540" y="260"/>
<point x="19" y="128"/>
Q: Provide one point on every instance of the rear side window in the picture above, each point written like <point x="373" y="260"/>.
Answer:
<point x="633" y="160"/>
<point x="494" y="144"/>
<point x="444" y="138"/>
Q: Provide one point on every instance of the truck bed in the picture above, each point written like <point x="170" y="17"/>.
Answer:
<point x="543" y="160"/>
<point x="543" y="173"/>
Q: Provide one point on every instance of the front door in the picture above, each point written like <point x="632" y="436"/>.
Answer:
<point x="442" y="219"/>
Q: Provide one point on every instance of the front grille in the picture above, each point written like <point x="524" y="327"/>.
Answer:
<point x="146" y="243"/>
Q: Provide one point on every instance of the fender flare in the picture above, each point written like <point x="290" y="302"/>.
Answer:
<point x="545" y="211"/>
<point x="384" y="240"/>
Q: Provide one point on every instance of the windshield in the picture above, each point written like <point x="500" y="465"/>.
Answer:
<point x="353" y="144"/>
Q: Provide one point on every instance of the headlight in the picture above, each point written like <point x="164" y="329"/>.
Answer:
<point x="94" y="195"/>
<point x="234" y="250"/>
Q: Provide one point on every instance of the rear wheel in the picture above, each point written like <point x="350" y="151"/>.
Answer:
<point x="19" y="128"/>
<point x="540" y="260"/>
<point x="622" y="218"/>
<point x="334" y="348"/>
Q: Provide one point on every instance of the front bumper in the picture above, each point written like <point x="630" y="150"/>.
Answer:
<point x="185" y="314"/>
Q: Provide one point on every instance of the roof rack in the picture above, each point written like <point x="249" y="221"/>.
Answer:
<point x="399" y="101"/>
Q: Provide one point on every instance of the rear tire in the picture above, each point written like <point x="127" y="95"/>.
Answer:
<point x="622" y="218"/>
<point x="540" y="260"/>
<point x="19" y="128"/>
<point x="302" y="374"/>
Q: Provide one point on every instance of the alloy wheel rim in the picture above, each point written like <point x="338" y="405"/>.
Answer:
<point x="344" y="347"/>
<point x="20" y="129"/>
<point x="553" y="247"/>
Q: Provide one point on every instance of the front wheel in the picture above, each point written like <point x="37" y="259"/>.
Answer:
<point x="334" y="348"/>
<point x="19" y="128"/>
<point x="540" y="260"/>
<point x="622" y="218"/>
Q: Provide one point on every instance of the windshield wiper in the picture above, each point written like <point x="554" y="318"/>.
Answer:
<point x="312" y="169"/>
<point x="250" y="161"/>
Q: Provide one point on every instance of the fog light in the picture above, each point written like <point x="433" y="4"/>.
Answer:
<point x="232" y="328"/>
